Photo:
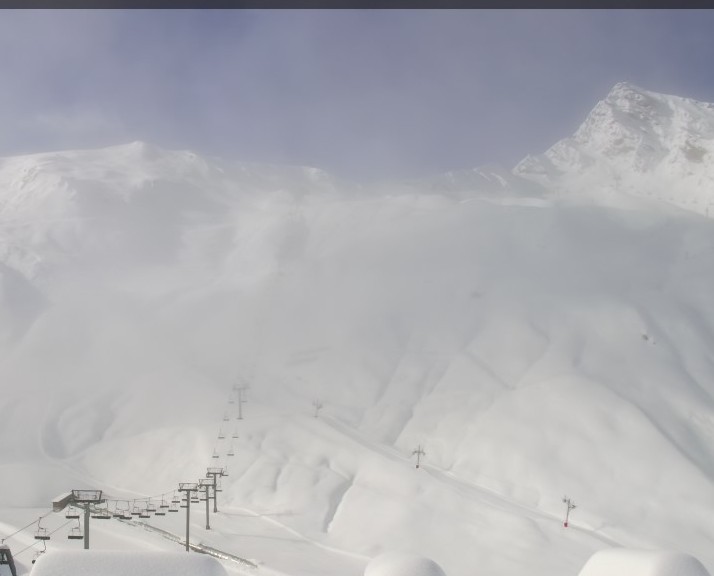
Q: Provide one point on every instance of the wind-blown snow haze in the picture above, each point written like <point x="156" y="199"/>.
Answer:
<point x="541" y="332"/>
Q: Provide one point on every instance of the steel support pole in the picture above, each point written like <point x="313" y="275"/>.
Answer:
<point x="86" y="526"/>
<point x="208" y="502"/>
<point x="215" y="491"/>
<point x="188" y="515"/>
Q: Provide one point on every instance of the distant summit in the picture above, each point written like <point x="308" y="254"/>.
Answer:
<point x="639" y="142"/>
<point x="634" y="142"/>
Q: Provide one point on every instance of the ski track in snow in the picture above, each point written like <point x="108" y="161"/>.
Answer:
<point x="467" y="489"/>
<point x="298" y="535"/>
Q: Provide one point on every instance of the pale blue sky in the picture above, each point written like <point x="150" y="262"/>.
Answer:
<point x="361" y="93"/>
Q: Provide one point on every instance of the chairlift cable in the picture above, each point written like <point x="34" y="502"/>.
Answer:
<point x="16" y="554"/>
<point x="60" y="527"/>
<point x="26" y="527"/>
<point x="39" y="552"/>
<point x="155" y="496"/>
<point x="38" y="541"/>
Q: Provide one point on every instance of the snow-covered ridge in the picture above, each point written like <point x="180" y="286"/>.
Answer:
<point x="638" y="142"/>
<point x="56" y="207"/>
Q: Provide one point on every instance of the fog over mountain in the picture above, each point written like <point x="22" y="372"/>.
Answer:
<point x="539" y="332"/>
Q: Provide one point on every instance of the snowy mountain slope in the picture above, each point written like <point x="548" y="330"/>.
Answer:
<point x="462" y="355"/>
<point x="124" y="202"/>
<point x="638" y="142"/>
<point x="535" y="345"/>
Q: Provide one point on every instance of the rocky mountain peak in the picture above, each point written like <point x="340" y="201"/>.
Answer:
<point x="635" y="141"/>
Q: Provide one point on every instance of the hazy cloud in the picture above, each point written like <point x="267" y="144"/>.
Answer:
<point x="364" y="93"/>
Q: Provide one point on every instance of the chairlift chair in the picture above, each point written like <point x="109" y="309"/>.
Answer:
<point x="163" y="504"/>
<point x="226" y="418"/>
<point x="76" y="533"/>
<point x="173" y="508"/>
<point x="215" y="454"/>
<point x="41" y="533"/>
<point x="101" y="513"/>
<point x="72" y="513"/>
<point x="151" y="508"/>
<point x="122" y="512"/>
<point x="136" y="510"/>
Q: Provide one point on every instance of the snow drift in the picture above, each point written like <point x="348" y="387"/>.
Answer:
<point x="119" y="563"/>
<point x="401" y="564"/>
<point x="628" y="562"/>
